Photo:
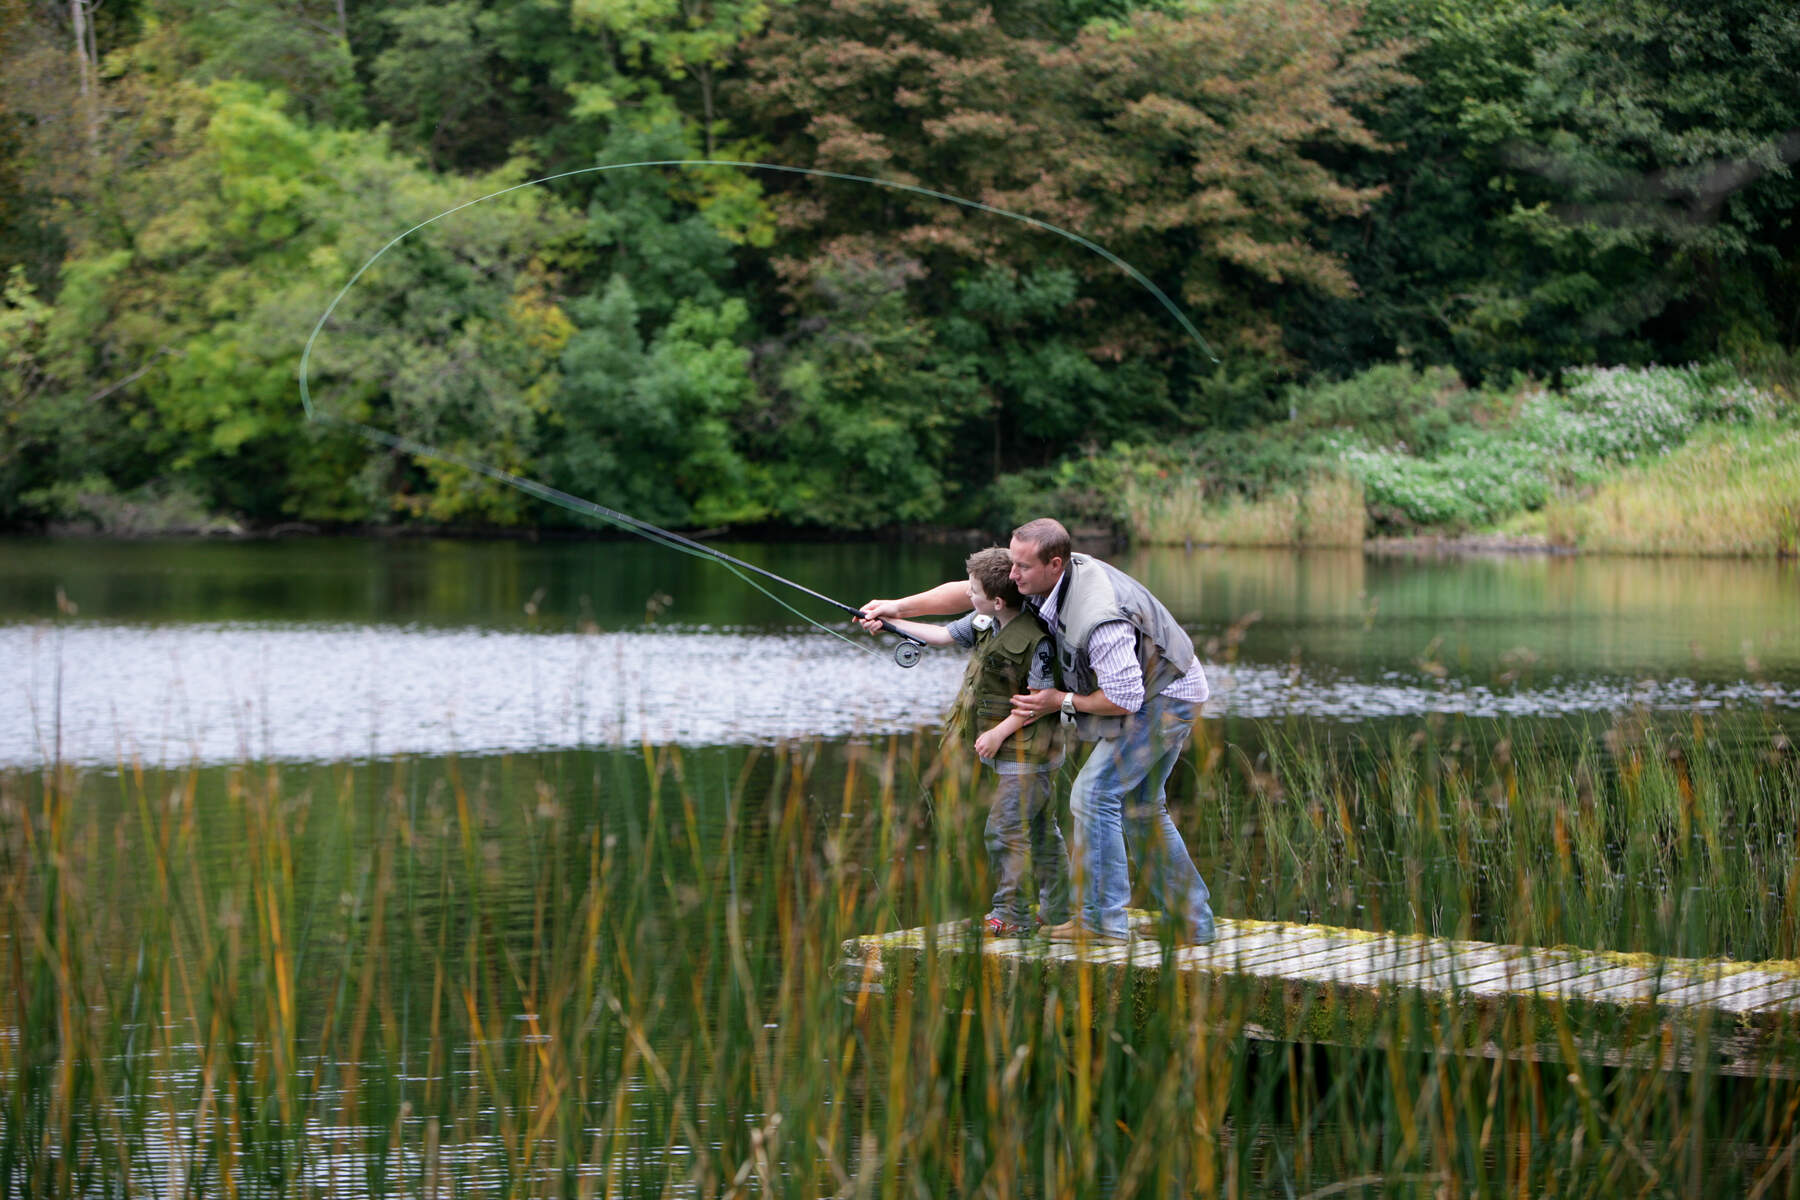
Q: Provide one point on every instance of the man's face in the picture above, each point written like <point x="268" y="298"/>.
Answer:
<point x="1034" y="576"/>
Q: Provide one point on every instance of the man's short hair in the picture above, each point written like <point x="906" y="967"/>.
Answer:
<point x="1048" y="535"/>
<point x="992" y="569"/>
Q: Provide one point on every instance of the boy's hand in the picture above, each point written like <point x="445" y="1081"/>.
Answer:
<point x="879" y="610"/>
<point x="988" y="745"/>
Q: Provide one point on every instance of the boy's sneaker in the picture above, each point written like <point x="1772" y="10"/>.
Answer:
<point x="997" y="927"/>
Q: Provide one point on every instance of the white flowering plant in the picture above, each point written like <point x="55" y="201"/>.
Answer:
<point x="1603" y="417"/>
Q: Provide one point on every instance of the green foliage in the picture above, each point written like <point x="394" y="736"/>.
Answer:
<point x="295" y="47"/>
<point x="1390" y="404"/>
<point x="863" y="412"/>
<point x="664" y="58"/>
<point x="1188" y="143"/>
<point x="1506" y="188"/>
<point x="1044" y="392"/>
<point x="648" y="428"/>
<point x="436" y="80"/>
<point x="190" y="326"/>
<point x="1596" y="183"/>
<point x="1604" y="418"/>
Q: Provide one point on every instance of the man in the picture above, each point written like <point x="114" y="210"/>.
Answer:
<point x="1135" y="687"/>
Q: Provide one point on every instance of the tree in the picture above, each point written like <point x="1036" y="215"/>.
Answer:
<point x="1188" y="143"/>
<point x="648" y="428"/>
<point x="862" y="409"/>
<point x="300" y="48"/>
<point x="1669" y="130"/>
<point x="1604" y="182"/>
<point x="189" y="319"/>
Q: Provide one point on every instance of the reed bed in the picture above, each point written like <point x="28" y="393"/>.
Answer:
<point x="1326" y="510"/>
<point x="1730" y="492"/>
<point x="616" y="975"/>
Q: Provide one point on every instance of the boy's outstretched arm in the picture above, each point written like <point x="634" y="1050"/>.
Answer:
<point x="931" y="635"/>
<point x="943" y="600"/>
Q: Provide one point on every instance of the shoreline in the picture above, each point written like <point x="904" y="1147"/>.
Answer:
<point x="1096" y="540"/>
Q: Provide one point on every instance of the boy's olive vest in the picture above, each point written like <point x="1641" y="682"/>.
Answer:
<point x="1094" y="592"/>
<point x="997" y="671"/>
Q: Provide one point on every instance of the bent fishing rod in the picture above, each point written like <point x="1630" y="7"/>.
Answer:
<point x="906" y="653"/>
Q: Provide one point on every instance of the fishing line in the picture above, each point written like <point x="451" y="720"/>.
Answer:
<point x="907" y="652"/>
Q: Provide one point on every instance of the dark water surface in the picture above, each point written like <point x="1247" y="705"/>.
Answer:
<point x="326" y="650"/>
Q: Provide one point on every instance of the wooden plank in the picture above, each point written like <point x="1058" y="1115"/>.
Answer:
<point x="1782" y="996"/>
<point x="1347" y="962"/>
<point x="1428" y="967"/>
<point x="1517" y="974"/>
<point x="1615" y="985"/>
<point x="1754" y="1001"/>
<point x="1713" y="987"/>
<point x="1536" y="972"/>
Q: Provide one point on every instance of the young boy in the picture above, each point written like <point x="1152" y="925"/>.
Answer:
<point x="1012" y="655"/>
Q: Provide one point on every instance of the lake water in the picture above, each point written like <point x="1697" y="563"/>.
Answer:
<point x="509" y="713"/>
<point x="320" y="651"/>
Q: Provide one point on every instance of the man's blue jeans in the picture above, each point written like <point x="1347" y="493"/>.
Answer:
<point x="1118" y="801"/>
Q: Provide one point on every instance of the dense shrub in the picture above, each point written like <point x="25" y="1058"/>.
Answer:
<point x="1426" y="451"/>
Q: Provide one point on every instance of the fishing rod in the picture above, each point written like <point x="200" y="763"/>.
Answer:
<point x="907" y="653"/>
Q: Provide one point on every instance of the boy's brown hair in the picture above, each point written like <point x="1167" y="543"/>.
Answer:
<point x="992" y="569"/>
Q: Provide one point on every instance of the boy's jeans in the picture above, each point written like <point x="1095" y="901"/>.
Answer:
<point x="1021" y="824"/>
<point x="1118" y="799"/>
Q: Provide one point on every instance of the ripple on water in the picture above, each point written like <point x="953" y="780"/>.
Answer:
<point x="214" y="693"/>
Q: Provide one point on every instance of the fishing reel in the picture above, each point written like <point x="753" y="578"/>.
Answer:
<point x="907" y="653"/>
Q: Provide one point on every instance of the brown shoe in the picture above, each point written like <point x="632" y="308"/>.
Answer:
<point x="1074" y="931"/>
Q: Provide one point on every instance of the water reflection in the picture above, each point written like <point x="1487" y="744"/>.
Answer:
<point x="1701" y="618"/>
<point x="332" y="649"/>
<point x="176" y="694"/>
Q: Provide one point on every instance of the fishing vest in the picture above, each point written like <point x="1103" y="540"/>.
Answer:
<point x="1094" y="592"/>
<point x="997" y="671"/>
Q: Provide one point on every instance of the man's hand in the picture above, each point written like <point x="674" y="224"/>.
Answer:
<point x="1040" y="703"/>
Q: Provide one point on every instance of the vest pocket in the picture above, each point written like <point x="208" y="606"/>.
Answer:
<point x="993" y="710"/>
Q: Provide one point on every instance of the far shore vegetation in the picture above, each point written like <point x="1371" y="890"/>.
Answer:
<point x="1661" y="460"/>
<point x="1519" y="269"/>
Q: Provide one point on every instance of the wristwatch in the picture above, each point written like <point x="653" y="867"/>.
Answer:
<point x="1068" y="706"/>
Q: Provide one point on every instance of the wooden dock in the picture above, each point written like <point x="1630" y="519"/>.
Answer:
<point x="1313" y="983"/>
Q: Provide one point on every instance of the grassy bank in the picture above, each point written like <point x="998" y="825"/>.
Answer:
<point x="1733" y="491"/>
<point x="543" y="977"/>
<point x="1601" y="463"/>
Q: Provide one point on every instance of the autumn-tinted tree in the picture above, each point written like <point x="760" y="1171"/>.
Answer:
<point x="1186" y="143"/>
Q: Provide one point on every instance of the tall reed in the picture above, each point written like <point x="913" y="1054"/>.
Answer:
<point x="1325" y="510"/>
<point x="579" y="974"/>
<point x="1732" y="492"/>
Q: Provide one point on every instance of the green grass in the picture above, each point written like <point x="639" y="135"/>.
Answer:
<point x="1664" y="460"/>
<point x="1730" y="491"/>
<point x="614" y="975"/>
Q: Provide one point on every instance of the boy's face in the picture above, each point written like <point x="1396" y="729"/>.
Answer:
<point x="982" y="603"/>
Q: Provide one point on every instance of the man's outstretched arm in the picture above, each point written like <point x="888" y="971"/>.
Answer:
<point x="942" y="600"/>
